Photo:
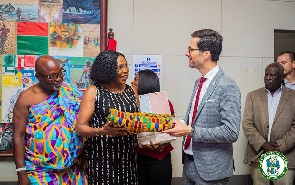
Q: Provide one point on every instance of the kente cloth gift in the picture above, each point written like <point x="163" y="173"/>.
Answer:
<point x="140" y="121"/>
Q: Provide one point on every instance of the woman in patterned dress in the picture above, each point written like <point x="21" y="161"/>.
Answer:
<point x="111" y="159"/>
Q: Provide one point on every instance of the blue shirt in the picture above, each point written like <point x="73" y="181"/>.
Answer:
<point x="287" y="84"/>
<point x="273" y="102"/>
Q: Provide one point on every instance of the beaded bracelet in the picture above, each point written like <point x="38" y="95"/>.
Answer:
<point x="20" y="169"/>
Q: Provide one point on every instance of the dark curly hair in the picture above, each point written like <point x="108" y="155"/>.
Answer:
<point x="104" y="67"/>
<point x="210" y="40"/>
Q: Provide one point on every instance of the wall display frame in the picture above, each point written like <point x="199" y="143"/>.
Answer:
<point x="6" y="139"/>
<point x="74" y="32"/>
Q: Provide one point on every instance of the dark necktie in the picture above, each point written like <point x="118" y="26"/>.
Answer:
<point x="188" y="138"/>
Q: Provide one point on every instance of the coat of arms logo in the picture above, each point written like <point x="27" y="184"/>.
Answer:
<point x="273" y="165"/>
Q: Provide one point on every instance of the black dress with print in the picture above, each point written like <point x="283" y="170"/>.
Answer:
<point x="112" y="160"/>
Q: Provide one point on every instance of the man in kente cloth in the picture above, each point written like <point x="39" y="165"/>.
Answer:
<point x="46" y="147"/>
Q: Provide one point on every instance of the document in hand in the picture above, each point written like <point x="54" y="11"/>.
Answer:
<point x="154" y="103"/>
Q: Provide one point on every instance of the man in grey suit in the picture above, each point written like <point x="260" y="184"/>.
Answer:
<point x="269" y="124"/>
<point x="213" y="124"/>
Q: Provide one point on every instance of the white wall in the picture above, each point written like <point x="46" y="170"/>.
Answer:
<point x="164" y="27"/>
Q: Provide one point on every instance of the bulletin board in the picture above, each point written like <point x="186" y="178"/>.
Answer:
<point x="71" y="31"/>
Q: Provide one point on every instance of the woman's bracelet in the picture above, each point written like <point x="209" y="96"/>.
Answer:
<point x="96" y="132"/>
<point x="21" y="169"/>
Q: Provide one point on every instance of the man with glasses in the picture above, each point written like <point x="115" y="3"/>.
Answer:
<point x="212" y="120"/>
<point x="46" y="148"/>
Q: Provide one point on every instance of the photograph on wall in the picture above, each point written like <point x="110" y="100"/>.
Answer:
<point x="66" y="39"/>
<point x="80" y="70"/>
<point x="11" y="94"/>
<point x="26" y="68"/>
<point x="28" y="33"/>
<point x="18" y="70"/>
<point x="0" y="88"/>
<point x="81" y="12"/>
<point x="7" y="37"/>
<point x="10" y="75"/>
<point x="15" y="10"/>
<point x="65" y="64"/>
<point x="50" y="11"/>
<point x="91" y="47"/>
<point x="6" y="136"/>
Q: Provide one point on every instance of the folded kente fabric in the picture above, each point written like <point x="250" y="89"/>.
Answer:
<point x="140" y="121"/>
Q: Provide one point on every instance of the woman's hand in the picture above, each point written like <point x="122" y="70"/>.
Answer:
<point x="160" y="147"/>
<point x="109" y="129"/>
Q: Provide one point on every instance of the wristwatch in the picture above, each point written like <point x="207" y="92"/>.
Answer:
<point x="192" y="132"/>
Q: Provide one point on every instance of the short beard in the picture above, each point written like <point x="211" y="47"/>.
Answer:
<point x="47" y="86"/>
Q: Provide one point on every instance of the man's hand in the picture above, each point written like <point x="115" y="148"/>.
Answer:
<point x="23" y="178"/>
<point x="270" y="147"/>
<point x="180" y="129"/>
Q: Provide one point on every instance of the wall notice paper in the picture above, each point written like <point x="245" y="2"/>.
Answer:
<point x="151" y="62"/>
<point x="154" y="103"/>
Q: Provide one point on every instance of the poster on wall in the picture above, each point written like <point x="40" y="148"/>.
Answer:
<point x="80" y="71"/>
<point x="11" y="95"/>
<point x="32" y="32"/>
<point x="76" y="70"/>
<point x="91" y="46"/>
<point x="66" y="39"/>
<point x="15" y="10"/>
<point x="7" y="37"/>
<point x="0" y="90"/>
<point x="6" y="136"/>
<point x="151" y="62"/>
<point x="50" y="11"/>
<point x="82" y="12"/>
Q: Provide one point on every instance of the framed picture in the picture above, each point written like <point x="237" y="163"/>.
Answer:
<point x="6" y="144"/>
<point x="74" y="32"/>
<point x="73" y="25"/>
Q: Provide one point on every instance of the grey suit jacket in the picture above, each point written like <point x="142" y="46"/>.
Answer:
<point x="217" y="126"/>
<point x="255" y="124"/>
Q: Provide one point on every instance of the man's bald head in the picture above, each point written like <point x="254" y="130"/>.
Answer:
<point x="45" y="64"/>
<point x="49" y="73"/>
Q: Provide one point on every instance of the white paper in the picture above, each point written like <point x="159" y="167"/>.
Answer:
<point x="154" y="103"/>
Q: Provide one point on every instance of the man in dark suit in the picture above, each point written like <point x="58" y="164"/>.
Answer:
<point x="269" y="124"/>
<point x="212" y="120"/>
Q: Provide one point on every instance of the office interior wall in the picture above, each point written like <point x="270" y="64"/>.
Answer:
<point x="164" y="26"/>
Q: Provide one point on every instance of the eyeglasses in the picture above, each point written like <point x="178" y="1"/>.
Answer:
<point x="54" y="76"/>
<point x="119" y="68"/>
<point x="191" y="49"/>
